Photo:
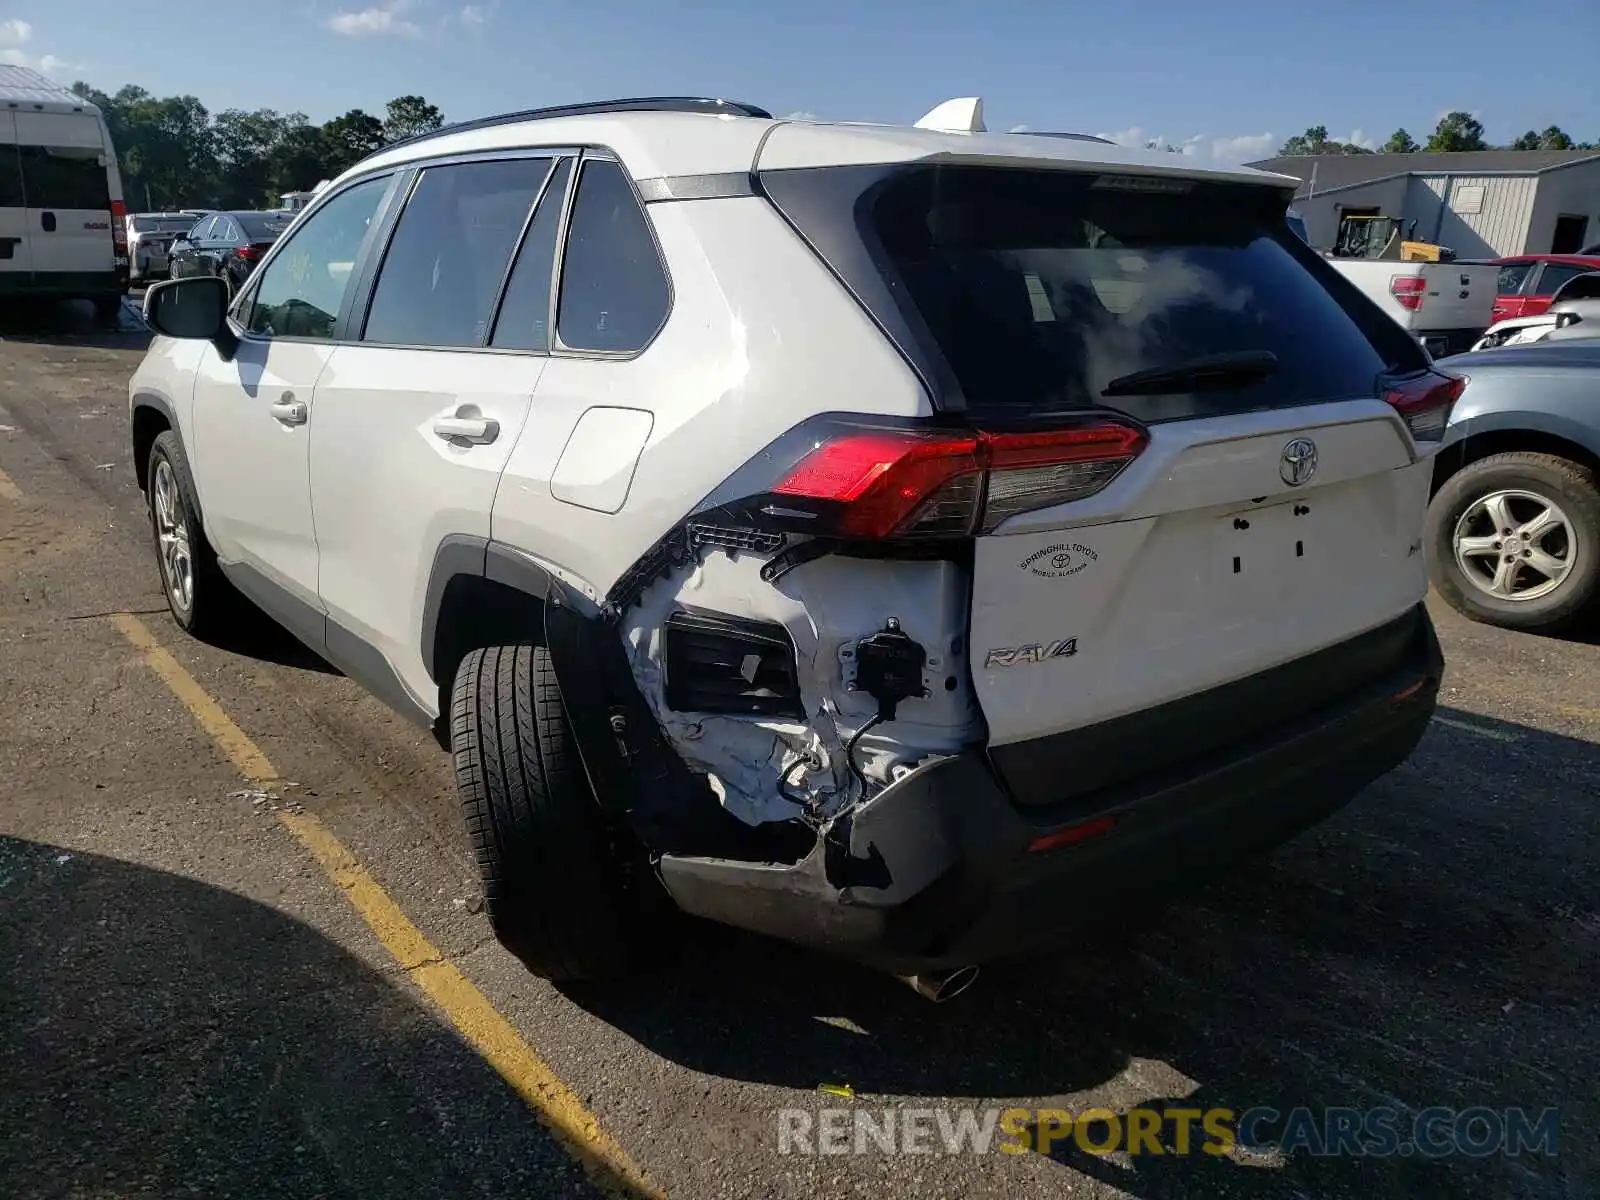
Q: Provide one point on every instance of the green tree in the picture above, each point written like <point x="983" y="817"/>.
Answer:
<point x="409" y="116"/>
<point x="1400" y="142"/>
<point x="299" y="159"/>
<point x="165" y="146"/>
<point x="1555" y="138"/>
<point x="1316" y="141"/>
<point x="1528" y="141"/>
<point x="245" y="143"/>
<point x="350" y="138"/>
<point x="1457" y="131"/>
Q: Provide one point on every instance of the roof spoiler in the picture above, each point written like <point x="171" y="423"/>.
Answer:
<point x="962" y="115"/>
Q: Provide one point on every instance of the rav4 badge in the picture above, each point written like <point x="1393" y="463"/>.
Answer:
<point x="1016" y="656"/>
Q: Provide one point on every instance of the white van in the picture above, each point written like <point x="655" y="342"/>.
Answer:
<point x="63" y="231"/>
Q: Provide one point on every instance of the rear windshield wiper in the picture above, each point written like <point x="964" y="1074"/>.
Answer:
<point x="1196" y="374"/>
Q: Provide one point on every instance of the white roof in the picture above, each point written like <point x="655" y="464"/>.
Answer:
<point x="20" y="86"/>
<point x="655" y="144"/>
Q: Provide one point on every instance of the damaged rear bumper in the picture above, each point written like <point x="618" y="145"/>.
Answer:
<point x="936" y="871"/>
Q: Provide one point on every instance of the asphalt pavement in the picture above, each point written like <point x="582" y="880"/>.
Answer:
<point x="196" y="998"/>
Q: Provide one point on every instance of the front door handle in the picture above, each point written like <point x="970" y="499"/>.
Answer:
<point x="289" y="410"/>
<point x="48" y="221"/>
<point x="479" y="431"/>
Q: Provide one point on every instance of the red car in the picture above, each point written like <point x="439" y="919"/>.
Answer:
<point x="1528" y="281"/>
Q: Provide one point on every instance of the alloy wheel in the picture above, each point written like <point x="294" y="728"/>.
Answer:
<point x="1514" y="545"/>
<point x="172" y="537"/>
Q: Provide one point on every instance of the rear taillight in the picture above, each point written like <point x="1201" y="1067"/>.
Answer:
<point x="1424" y="403"/>
<point x="119" y="226"/>
<point x="250" y="254"/>
<point x="878" y="484"/>
<point x="1408" y="290"/>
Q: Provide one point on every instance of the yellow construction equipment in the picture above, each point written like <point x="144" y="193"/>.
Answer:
<point x="1383" y="238"/>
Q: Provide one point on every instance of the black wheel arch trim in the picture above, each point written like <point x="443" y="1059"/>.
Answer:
<point x="162" y="405"/>
<point x="635" y="773"/>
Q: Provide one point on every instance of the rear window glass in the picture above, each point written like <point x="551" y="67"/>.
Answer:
<point x="64" y="178"/>
<point x="1041" y="287"/>
<point x="162" y="224"/>
<point x="262" y="228"/>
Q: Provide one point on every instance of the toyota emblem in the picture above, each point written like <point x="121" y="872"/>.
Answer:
<point x="1298" y="462"/>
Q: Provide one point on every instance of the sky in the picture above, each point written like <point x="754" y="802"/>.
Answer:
<point x="1227" y="81"/>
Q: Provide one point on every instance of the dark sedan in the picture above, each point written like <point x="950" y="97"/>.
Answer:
<point x="1513" y="532"/>
<point x="226" y="244"/>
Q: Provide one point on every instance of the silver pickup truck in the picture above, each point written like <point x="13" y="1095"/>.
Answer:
<point x="1444" y="305"/>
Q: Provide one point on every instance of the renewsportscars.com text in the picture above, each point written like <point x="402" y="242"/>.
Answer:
<point x="1335" y="1132"/>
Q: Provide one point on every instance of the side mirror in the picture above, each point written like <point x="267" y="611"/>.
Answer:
<point x="195" y="309"/>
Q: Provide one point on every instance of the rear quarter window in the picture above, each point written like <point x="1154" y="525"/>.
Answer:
<point x="1041" y="287"/>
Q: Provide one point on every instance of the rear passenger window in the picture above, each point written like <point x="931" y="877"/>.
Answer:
<point x="614" y="291"/>
<point x="1512" y="277"/>
<point x="524" y="321"/>
<point x="450" y="251"/>
<point x="64" y="177"/>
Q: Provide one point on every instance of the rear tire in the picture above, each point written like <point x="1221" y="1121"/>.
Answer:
<point x="199" y="596"/>
<point x="108" y="308"/>
<point x="568" y="892"/>
<point x="1518" y="485"/>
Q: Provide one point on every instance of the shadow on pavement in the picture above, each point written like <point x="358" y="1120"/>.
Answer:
<point x="72" y="323"/>
<point x="1433" y="944"/>
<point x="255" y="635"/>
<point x="166" y="1038"/>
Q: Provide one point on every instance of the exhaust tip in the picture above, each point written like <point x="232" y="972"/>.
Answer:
<point x="940" y="986"/>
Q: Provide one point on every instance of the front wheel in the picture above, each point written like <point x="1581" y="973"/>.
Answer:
<point x="567" y="890"/>
<point x="1514" y="540"/>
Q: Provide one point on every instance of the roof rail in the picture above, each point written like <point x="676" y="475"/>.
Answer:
<point x="1076" y="137"/>
<point x="678" y="104"/>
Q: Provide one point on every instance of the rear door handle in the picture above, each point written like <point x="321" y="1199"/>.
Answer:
<point x="479" y="431"/>
<point x="289" y="410"/>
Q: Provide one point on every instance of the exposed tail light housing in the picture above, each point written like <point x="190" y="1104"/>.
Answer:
<point x="1408" y="290"/>
<point x="1424" y="402"/>
<point x="119" y="226"/>
<point x="251" y="254"/>
<point x="883" y="484"/>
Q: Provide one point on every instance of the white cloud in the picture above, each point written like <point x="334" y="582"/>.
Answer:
<point x="45" y="64"/>
<point x="386" y="20"/>
<point x="802" y="115"/>
<point x="1243" y="148"/>
<point x="473" y="15"/>
<point x="1217" y="151"/>
<point x="16" y="33"/>
<point x="1020" y="129"/>
<point x="1357" y="138"/>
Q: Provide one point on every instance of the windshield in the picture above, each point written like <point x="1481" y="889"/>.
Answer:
<point x="1040" y="287"/>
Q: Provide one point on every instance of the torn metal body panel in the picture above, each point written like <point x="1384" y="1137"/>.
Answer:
<point x="783" y="766"/>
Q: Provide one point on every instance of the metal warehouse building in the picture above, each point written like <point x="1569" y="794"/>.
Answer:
<point x="1482" y="204"/>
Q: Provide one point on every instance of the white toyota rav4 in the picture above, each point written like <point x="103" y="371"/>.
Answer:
<point x="897" y="540"/>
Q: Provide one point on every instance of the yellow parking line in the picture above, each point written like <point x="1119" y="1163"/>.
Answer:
<point x="491" y="1035"/>
<point x="8" y="490"/>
